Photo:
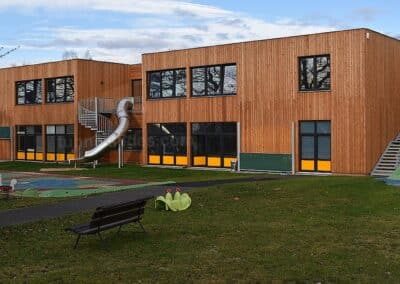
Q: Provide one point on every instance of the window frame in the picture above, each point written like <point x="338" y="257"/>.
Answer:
<point x="222" y="80"/>
<point x="46" y="80"/>
<point x="148" y="83"/>
<point x="31" y="136"/>
<point x="56" y="135"/>
<point x="35" y="89"/>
<point x="315" y="73"/>
<point x="134" y="129"/>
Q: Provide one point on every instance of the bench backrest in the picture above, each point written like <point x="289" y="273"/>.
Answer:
<point x="111" y="214"/>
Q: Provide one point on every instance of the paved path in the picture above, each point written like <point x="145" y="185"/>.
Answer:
<point x="63" y="208"/>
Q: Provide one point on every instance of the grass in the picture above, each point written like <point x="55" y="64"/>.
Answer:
<point x="329" y="229"/>
<point x="128" y="172"/>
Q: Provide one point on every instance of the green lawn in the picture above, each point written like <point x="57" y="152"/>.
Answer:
<point x="329" y="229"/>
<point x="128" y="172"/>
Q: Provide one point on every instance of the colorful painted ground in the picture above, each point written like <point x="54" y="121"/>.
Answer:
<point x="49" y="185"/>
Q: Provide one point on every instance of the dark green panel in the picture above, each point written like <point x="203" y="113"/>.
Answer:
<point x="266" y="162"/>
<point x="5" y="133"/>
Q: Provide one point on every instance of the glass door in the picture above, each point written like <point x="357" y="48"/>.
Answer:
<point x="315" y="146"/>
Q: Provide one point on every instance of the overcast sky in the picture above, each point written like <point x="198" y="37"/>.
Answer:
<point x="121" y="30"/>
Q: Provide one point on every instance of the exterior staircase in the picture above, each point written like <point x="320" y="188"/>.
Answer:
<point x="94" y="114"/>
<point x="390" y="159"/>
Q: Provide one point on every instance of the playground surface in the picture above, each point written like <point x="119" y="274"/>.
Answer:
<point x="32" y="184"/>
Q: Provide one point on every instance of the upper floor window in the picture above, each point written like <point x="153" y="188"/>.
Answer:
<point x="167" y="84"/>
<point x="214" y="80"/>
<point x="60" y="90"/>
<point x="315" y="73"/>
<point x="29" y="92"/>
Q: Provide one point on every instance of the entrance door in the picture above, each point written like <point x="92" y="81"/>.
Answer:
<point x="315" y="146"/>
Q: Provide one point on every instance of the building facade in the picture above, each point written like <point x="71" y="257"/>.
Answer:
<point x="316" y="103"/>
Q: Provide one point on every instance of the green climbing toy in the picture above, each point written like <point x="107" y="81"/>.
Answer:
<point x="178" y="202"/>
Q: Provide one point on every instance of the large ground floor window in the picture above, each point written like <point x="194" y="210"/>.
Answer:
<point x="29" y="142"/>
<point x="167" y="144"/>
<point x="59" y="142"/>
<point x="214" y="144"/>
<point x="315" y="146"/>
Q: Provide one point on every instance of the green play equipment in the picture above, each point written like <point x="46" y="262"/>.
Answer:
<point x="178" y="202"/>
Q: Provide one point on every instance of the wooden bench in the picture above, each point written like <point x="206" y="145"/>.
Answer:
<point x="108" y="217"/>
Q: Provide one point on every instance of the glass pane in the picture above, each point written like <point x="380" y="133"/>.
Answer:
<point x="306" y="73"/>
<point x="39" y="143"/>
<point x="167" y="82"/>
<point x="70" y="129"/>
<point x="38" y="99"/>
<point x="213" y="145"/>
<point x="21" y="143"/>
<point x="198" y="81"/>
<point x="180" y="87"/>
<point x="51" y="90"/>
<point x="229" y="145"/>
<point x="51" y="129"/>
<point x="214" y="80"/>
<point x="323" y="127"/>
<point x="307" y="127"/>
<point x="60" y="89"/>
<point x="230" y="85"/>
<point x="323" y="72"/>
<point x="38" y="130"/>
<point x="199" y="128"/>
<point x="51" y="144"/>
<point x="180" y="129"/>
<point x="154" y="145"/>
<point x="30" y="93"/>
<point x="21" y="93"/>
<point x="180" y="145"/>
<point x="30" y="130"/>
<point x="168" y="145"/>
<point x="324" y="147"/>
<point x="69" y="147"/>
<point x="155" y="85"/>
<point x="69" y="89"/>
<point x="61" y="144"/>
<point x="198" y="145"/>
<point x="154" y="129"/>
<point x="229" y="127"/>
<point x="307" y="148"/>
<point x="60" y="129"/>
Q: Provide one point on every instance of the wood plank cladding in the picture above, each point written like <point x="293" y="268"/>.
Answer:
<point x="382" y="94"/>
<point x="268" y="98"/>
<point x="5" y="150"/>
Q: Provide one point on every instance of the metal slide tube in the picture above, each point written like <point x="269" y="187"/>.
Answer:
<point x="123" y="107"/>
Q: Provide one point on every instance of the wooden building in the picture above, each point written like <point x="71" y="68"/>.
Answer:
<point x="316" y="103"/>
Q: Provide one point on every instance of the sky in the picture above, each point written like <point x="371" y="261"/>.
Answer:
<point x="122" y="30"/>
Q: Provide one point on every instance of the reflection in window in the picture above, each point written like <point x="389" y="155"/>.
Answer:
<point x="315" y="73"/>
<point x="29" y="92"/>
<point x="133" y="140"/>
<point x="60" y="90"/>
<point x="29" y="142"/>
<point x="60" y="140"/>
<point x="167" y="84"/>
<point x="214" y="80"/>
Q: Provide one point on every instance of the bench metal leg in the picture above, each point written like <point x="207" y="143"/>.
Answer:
<point x="142" y="226"/>
<point x="77" y="241"/>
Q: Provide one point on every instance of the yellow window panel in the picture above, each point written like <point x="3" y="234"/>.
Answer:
<point x="154" y="159"/>
<point x="307" y="165"/>
<point x="21" y="156"/>
<point x="168" y="160"/>
<point x="70" y="156"/>
<point x="214" y="162"/>
<point x="60" y="157"/>
<point x="199" y="161"/>
<point x="39" y="156"/>
<point x="324" y="166"/>
<point x="30" y="156"/>
<point x="227" y="162"/>
<point x="50" y="157"/>
<point x="181" y="160"/>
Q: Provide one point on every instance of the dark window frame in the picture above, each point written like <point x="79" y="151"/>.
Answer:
<point x="25" y="136"/>
<point x="35" y="81"/>
<point x="161" y="88"/>
<point x="220" y="134"/>
<point x="55" y="135"/>
<point x="315" y="73"/>
<point x="138" y="149"/>
<point x="315" y="135"/>
<point x="222" y="80"/>
<point x="47" y="80"/>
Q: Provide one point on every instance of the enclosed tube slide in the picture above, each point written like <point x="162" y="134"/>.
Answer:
<point x="123" y="108"/>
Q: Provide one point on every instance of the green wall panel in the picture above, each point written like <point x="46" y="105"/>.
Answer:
<point x="266" y="162"/>
<point x="5" y="133"/>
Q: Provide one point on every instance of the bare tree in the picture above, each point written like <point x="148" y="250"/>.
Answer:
<point x="69" y="54"/>
<point x="4" y="52"/>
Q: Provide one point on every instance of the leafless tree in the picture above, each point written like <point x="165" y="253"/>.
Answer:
<point x="4" y="52"/>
